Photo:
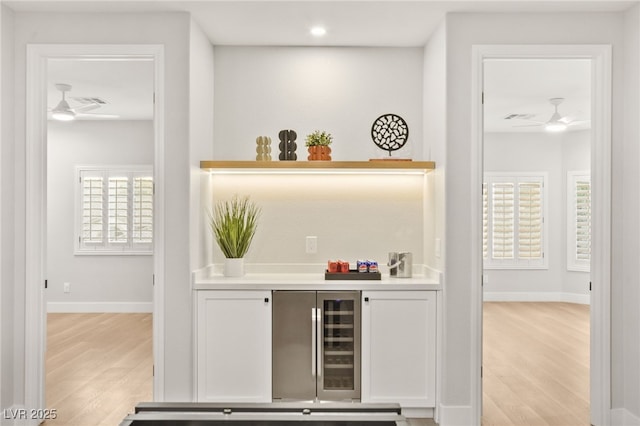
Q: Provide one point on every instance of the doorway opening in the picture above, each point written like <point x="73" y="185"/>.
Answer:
<point x="536" y="240"/>
<point x="100" y="156"/>
<point x="87" y="139"/>
<point x="599" y="60"/>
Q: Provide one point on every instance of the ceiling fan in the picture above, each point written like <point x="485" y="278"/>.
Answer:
<point x="556" y="122"/>
<point x="64" y="112"/>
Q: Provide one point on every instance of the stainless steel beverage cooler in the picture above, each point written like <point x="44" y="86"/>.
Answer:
<point x="316" y="345"/>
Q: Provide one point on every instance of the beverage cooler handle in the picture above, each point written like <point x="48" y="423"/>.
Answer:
<point x="320" y="334"/>
<point x="314" y="319"/>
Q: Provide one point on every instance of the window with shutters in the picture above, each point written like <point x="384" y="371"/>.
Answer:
<point x="115" y="210"/>
<point x="578" y="221"/>
<point x="513" y="221"/>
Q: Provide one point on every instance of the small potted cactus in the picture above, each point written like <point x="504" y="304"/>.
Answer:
<point x="318" y="145"/>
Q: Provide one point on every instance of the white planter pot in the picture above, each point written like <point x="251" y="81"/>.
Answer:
<point x="233" y="267"/>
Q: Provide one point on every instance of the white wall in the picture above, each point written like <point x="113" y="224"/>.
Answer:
<point x="171" y="30"/>
<point x="201" y="134"/>
<point x="353" y="216"/>
<point x="262" y="90"/>
<point x="98" y="283"/>
<point x="434" y="100"/>
<point x="7" y="329"/>
<point x="463" y="32"/>
<point x="555" y="154"/>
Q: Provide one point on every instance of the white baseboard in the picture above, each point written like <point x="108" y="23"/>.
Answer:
<point x="417" y="413"/>
<point x="496" y="296"/>
<point x="622" y="417"/>
<point x="98" y="307"/>
<point x="455" y="415"/>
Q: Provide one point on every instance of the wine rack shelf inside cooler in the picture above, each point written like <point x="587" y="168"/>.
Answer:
<point x="338" y="344"/>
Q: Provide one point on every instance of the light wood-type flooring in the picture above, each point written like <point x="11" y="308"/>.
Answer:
<point x="535" y="364"/>
<point x="98" y="367"/>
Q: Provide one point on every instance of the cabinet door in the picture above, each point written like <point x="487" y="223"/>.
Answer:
<point x="233" y="346"/>
<point x="399" y="347"/>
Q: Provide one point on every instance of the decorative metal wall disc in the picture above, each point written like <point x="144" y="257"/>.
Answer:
<point x="390" y="132"/>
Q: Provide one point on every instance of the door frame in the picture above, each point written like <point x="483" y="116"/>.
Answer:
<point x="36" y="203"/>
<point x="600" y="312"/>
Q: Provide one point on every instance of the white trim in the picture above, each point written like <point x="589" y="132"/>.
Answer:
<point x="98" y="307"/>
<point x="622" y="417"/>
<point x="600" y="56"/>
<point x="457" y="415"/>
<point x="521" y="296"/>
<point x="417" y="413"/>
<point x="35" y="238"/>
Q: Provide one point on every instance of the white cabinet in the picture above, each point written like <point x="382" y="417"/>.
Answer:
<point x="399" y="348"/>
<point x="233" y="346"/>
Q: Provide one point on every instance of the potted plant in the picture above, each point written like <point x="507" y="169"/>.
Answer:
<point x="318" y="145"/>
<point x="234" y="224"/>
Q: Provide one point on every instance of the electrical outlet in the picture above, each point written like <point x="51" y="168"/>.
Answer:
<point x="67" y="287"/>
<point x="312" y="244"/>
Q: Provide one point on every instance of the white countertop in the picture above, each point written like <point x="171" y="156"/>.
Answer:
<point x="310" y="281"/>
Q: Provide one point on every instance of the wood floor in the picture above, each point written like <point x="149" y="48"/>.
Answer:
<point x="98" y="367"/>
<point x="535" y="364"/>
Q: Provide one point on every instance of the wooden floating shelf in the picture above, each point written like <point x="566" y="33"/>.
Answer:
<point x="372" y="165"/>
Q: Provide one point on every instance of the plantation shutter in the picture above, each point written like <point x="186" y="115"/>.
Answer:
<point x="502" y="194"/>
<point x="93" y="199"/>
<point x="116" y="210"/>
<point x="529" y="220"/>
<point x="579" y="215"/>
<point x="583" y="220"/>
<point x="485" y="221"/>
<point x="513" y="221"/>
<point x="142" y="210"/>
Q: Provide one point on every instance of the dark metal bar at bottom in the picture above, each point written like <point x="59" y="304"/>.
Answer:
<point x="287" y="414"/>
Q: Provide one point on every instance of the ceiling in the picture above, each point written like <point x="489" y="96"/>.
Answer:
<point x="125" y="86"/>
<point x="349" y="23"/>
<point x="524" y="87"/>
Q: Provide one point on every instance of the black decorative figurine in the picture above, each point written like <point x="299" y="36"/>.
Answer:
<point x="287" y="145"/>
<point x="390" y="132"/>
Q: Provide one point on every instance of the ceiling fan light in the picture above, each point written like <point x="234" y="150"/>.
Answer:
<point x="63" y="115"/>
<point x="556" y="126"/>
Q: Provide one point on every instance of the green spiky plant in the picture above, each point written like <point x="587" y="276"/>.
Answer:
<point x="318" y="138"/>
<point x="234" y="224"/>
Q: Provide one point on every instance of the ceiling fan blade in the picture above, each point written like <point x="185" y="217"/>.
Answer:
<point x="82" y="114"/>
<point x="86" y="107"/>
<point x="573" y="123"/>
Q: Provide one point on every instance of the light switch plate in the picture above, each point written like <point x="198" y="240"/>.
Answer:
<point x="312" y="244"/>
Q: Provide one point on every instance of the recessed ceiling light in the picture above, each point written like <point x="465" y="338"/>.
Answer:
<point x="318" y="31"/>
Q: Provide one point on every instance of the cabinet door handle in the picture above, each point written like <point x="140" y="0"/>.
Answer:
<point x="366" y="299"/>
<point x="320" y="334"/>
<point x="266" y="300"/>
<point x="314" y="319"/>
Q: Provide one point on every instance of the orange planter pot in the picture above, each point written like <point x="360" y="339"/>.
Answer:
<point x="318" y="152"/>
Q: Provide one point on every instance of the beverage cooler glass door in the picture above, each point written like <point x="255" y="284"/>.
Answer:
<point x="338" y="361"/>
